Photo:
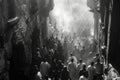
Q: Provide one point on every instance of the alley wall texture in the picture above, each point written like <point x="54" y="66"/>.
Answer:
<point x="26" y="32"/>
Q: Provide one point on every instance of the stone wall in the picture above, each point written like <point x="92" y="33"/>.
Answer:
<point x="32" y="28"/>
<point x="28" y="34"/>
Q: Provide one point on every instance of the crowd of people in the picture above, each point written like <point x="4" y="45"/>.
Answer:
<point x="74" y="70"/>
<point x="82" y="71"/>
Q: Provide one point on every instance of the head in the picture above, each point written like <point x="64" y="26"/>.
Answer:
<point x="97" y="55"/>
<point x="80" y="61"/>
<point x="38" y="49"/>
<point x="98" y="60"/>
<point x="84" y="66"/>
<point x="92" y="63"/>
<point x="72" y="60"/>
<point x="71" y="54"/>
<point x="65" y="67"/>
<point x="102" y="57"/>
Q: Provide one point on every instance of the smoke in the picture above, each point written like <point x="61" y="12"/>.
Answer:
<point x="72" y="16"/>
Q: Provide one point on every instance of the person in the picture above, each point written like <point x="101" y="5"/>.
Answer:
<point x="79" y="67"/>
<point x="44" y="69"/>
<point x="83" y="72"/>
<point x="64" y="74"/>
<point x="72" y="69"/>
<point x="38" y="76"/>
<point x="99" y="70"/>
<point x="103" y="60"/>
<point x="80" y="64"/>
<point x="82" y="78"/>
<point x="112" y="73"/>
<point x="72" y="57"/>
<point x="38" y="53"/>
<point x="59" y="67"/>
<point x="91" y="71"/>
<point x="95" y="58"/>
<point x="53" y="69"/>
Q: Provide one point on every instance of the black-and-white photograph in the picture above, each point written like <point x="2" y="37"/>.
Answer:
<point x="59" y="39"/>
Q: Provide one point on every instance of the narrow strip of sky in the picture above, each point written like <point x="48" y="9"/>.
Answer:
<point x="72" y="16"/>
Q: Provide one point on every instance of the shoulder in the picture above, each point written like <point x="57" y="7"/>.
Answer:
<point x="94" y="67"/>
<point x="96" y="64"/>
<point x="74" y="57"/>
<point x="89" y="66"/>
<point x="42" y="62"/>
<point x="69" y="57"/>
<point x="69" y="64"/>
<point x="46" y="63"/>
